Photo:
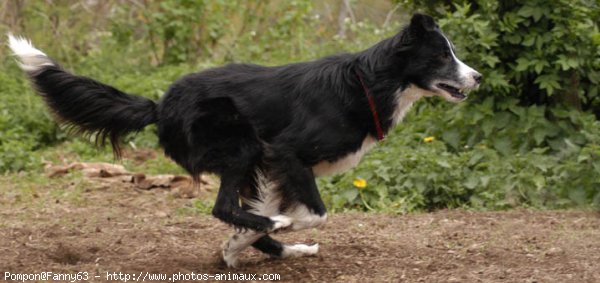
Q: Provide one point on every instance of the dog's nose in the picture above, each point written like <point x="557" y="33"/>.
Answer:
<point x="478" y="78"/>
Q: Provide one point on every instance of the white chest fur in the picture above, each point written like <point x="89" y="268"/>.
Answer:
<point x="404" y="101"/>
<point x="345" y="163"/>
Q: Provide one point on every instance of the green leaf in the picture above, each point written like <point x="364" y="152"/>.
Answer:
<point x="528" y="41"/>
<point x="488" y="126"/>
<point x="452" y="137"/>
<point x="443" y="163"/>
<point x="513" y="38"/>
<point x="539" y="66"/>
<point x="522" y="64"/>
<point x="549" y="82"/>
<point x="577" y="195"/>
<point x="503" y="145"/>
<point x="475" y="158"/>
<point x="349" y="194"/>
<point x="573" y="63"/>
<point x="539" y="135"/>
<point x="539" y="181"/>
<point x="472" y="182"/>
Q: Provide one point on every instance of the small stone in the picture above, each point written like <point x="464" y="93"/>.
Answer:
<point x="554" y="251"/>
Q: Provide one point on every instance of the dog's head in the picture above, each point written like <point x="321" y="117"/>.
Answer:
<point x="431" y="61"/>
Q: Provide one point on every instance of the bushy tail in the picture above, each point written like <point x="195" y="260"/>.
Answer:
<point x="86" y="105"/>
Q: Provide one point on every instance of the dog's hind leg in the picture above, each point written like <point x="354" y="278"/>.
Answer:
<point x="306" y="211"/>
<point x="264" y="198"/>
<point x="292" y="193"/>
<point x="260" y="197"/>
<point x="237" y="243"/>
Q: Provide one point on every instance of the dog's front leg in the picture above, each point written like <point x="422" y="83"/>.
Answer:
<point x="228" y="210"/>
<point x="300" y="195"/>
<point x="249" y="227"/>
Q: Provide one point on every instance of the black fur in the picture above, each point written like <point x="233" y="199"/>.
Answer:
<point x="268" y="245"/>
<point x="92" y="107"/>
<point x="240" y="118"/>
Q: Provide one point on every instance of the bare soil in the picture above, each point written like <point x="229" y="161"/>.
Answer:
<point x="79" y="226"/>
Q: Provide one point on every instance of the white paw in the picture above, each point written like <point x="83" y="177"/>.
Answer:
<point x="230" y="257"/>
<point x="280" y="221"/>
<point x="299" y="250"/>
<point x="308" y="221"/>
<point x="231" y="260"/>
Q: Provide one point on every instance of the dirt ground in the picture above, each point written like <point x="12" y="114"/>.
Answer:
<point x="70" y="227"/>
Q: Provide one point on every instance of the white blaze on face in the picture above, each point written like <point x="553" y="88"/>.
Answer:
<point x="465" y="73"/>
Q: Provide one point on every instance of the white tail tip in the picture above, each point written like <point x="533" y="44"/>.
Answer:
<point x="30" y="58"/>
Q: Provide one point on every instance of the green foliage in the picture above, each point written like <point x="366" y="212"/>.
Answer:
<point x="266" y="32"/>
<point x="25" y="126"/>
<point x="169" y="25"/>
<point x="182" y="30"/>
<point x="510" y="128"/>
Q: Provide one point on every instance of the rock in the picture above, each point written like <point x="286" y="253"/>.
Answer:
<point x="554" y="251"/>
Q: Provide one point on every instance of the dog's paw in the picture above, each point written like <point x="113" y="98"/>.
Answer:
<point x="299" y="250"/>
<point x="229" y="257"/>
<point x="280" y="222"/>
<point x="231" y="260"/>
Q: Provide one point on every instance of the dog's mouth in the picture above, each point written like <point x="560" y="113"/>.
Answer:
<point x="453" y="91"/>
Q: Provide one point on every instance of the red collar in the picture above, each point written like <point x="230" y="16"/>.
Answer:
<point x="380" y="134"/>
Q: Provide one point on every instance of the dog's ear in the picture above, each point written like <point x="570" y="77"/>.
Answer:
<point x="422" y="23"/>
<point x="419" y="25"/>
<point x="404" y="40"/>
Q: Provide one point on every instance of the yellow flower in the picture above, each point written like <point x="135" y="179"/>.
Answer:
<point x="360" y="183"/>
<point x="429" y="139"/>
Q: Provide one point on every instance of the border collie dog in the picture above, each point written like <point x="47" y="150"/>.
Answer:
<point x="267" y="131"/>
